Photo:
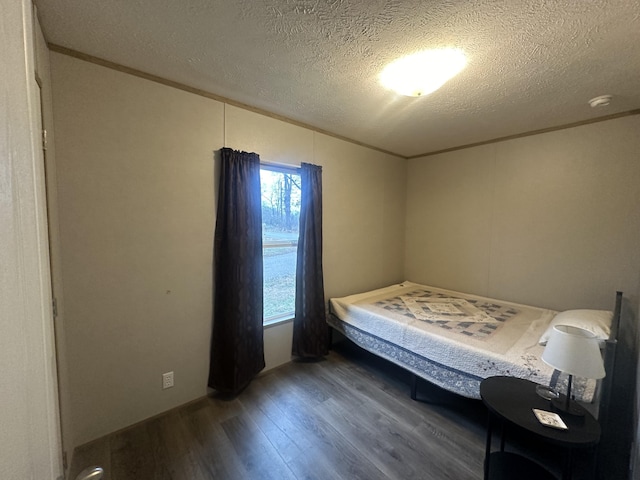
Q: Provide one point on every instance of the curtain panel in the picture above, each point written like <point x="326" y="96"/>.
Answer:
<point x="310" y="330"/>
<point x="237" y="345"/>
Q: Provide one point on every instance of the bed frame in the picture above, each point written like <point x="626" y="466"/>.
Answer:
<point x="609" y="361"/>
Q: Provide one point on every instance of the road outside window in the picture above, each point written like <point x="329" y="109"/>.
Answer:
<point x="280" y="218"/>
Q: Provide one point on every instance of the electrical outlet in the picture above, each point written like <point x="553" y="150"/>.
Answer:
<point x="167" y="380"/>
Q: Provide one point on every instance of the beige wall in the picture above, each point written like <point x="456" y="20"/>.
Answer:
<point x="29" y="423"/>
<point x="136" y="210"/>
<point x="550" y="220"/>
<point x="363" y="216"/>
<point x="137" y="196"/>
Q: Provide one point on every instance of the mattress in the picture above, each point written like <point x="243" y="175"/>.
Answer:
<point x="451" y="339"/>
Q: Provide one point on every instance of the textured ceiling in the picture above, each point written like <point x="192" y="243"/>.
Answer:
<point x="531" y="64"/>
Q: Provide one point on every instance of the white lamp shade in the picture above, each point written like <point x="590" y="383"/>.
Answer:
<point x="574" y="351"/>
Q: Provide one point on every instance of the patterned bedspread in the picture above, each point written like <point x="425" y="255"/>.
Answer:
<point x="473" y="317"/>
<point x="452" y="339"/>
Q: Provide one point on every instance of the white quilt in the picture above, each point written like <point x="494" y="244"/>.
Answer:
<point x="474" y="336"/>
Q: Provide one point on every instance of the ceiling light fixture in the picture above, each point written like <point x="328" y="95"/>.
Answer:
<point x="423" y="72"/>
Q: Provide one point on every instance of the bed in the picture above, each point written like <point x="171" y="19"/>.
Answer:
<point x="455" y="340"/>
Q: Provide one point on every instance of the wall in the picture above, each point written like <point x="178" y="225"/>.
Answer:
<point x="136" y="207"/>
<point x="551" y="220"/>
<point x="135" y="171"/>
<point x="29" y="423"/>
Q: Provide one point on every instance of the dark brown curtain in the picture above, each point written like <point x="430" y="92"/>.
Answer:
<point x="237" y="347"/>
<point x="310" y="331"/>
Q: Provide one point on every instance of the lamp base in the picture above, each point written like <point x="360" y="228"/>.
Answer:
<point x="547" y="393"/>
<point x="574" y="409"/>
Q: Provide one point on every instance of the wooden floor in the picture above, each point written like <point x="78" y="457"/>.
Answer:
<point x="347" y="417"/>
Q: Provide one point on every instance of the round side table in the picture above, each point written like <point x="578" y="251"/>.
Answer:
<point x="510" y="402"/>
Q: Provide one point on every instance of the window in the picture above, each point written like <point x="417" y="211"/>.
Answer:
<point x="280" y="188"/>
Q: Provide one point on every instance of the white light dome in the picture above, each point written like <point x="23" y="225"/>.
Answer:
<point x="423" y="72"/>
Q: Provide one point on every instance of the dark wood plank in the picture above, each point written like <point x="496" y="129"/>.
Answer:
<point x="347" y="461"/>
<point x="286" y="438"/>
<point x="171" y="444"/>
<point x="96" y="453"/>
<point x="291" y="440"/>
<point x="347" y="417"/>
<point x="211" y="444"/>
<point x="259" y="457"/>
<point x="379" y="427"/>
<point x="131" y="455"/>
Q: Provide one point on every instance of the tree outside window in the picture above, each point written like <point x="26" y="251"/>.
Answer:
<point x="280" y="188"/>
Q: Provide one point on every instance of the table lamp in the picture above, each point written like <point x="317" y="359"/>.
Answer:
<point x="574" y="351"/>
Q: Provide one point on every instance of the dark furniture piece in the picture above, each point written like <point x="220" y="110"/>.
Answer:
<point x="510" y="402"/>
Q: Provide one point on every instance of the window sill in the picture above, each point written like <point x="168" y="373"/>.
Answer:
<point x="277" y="321"/>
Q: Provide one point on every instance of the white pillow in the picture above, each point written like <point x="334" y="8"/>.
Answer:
<point x="597" y="322"/>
